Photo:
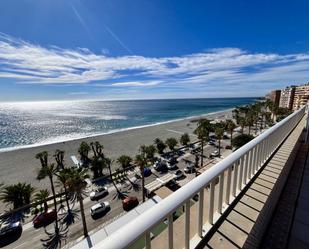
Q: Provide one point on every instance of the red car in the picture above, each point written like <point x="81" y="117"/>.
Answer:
<point x="129" y="203"/>
<point x="45" y="218"/>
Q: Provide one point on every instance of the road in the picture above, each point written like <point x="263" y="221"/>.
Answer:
<point x="31" y="238"/>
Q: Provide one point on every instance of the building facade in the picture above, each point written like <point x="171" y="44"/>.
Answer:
<point x="287" y="97"/>
<point x="301" y="96"/>
<point x="274" y="96"/>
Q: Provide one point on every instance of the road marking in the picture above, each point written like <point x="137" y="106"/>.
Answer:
<point x="178" y="132"/>
<point x="20" y="245"/>
<point x="158" y="179"/>
<point x="27" y="226"/>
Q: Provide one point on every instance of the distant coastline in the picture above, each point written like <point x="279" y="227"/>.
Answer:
<point x="33" y="124"/>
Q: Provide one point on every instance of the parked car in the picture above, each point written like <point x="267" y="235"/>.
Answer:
<point x="10" y="229"/>
<point x="212" y="143"/>
<point x="172" y="160"/>
<point x="178" y="174"/>
<point x="99" y="209"/>
<point x="45" y="218"/>
<point x="161" y="167"/>
<point x="129" y="203"/>
<point x="180" y="152"/>
<point x="171" y="166"/>
<point x="214" y="154"/>
<point x="98" y="193"/>
<point x="147" y="172"/>
<point x="189" y="169"/>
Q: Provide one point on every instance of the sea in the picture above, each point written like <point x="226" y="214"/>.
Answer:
<point x="27" y="124"/>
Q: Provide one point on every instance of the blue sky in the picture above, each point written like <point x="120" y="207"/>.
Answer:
<point x="113" y="49"/>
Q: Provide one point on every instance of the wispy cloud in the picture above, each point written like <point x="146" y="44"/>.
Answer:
<point x="137" y="83"/>
<point x="30" y="63"/>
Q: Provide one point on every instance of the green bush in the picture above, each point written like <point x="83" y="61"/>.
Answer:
<point x="241" y="140"/>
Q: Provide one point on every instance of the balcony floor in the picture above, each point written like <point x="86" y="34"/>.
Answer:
<point x="244" y="224"/>
<point x="289" y="227"/>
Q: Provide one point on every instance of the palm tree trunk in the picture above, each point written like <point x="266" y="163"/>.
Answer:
<point x="202" y="153"/>
<point x="82" y="211"/>
<point x="55" y="204"/>
<point x="249" y="131"/>
<point x="114" y="184"/>
<point x="143" y="182"/>
<point x="231" y="137"/>
<point x="219" y="147"/>
<point x="66" y="198"/>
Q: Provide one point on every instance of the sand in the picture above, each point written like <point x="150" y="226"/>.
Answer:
<point x="21" y="166"/>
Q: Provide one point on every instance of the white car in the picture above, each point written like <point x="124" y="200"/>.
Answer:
<point x="99" y="209"/>
<point x="215" y="153"/>
<point x="98" y="193"/>
<point x="189" y="169"/>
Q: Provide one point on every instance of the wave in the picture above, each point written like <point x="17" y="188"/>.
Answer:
<point x="73" y="137"/>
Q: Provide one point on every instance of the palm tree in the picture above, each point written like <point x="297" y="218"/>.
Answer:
<point x="43" y="156"/>
<point x="50" y="171"/>
<point x="83" y="151"/>
<point x="124" y="161"/>
<point x="249" y="122"/>
<point x="97" y="166"/>
<point x="108" y="164"/>
<point x="202" y="131"/>
<point x="219" y="131"/>
<point x="59" y="158"/>
<point x="141" y="162"/>
<point x="171" y="143"/>
<point x="185" y="139"/>
<point x="242" y="123"/>
<point x="161" y="146"/>
<point x="97" y="149"/>
<point x="62" y="178"/>
<point x="41" y="197"/>
<point x="17" y="194"/>
<point x="230" y="126"/>
<point x="149" y="152"/>
<point x="76" y="184"/>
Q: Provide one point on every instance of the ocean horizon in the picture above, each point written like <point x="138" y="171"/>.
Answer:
<point x="29" y="124"/>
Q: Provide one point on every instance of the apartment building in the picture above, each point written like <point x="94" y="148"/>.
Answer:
<point x="274" y="96"/>
<point x="301" y="96"/>
<point x="287" y="97"/>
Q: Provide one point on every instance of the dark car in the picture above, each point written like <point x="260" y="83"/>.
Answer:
<point x="178" y="174"/>
<point x="10" y="229"/>
<point x="98" y="193"/>
<point x="171" y="166"/>
<point x="45" y="218"/>
<point x="147" y="172"/>
<point x="161" y="167"/>
<point x="173" y="160"/>
<point x="129" y="203"/>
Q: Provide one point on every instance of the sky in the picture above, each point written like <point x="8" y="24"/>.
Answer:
<point x="148" y="49"/>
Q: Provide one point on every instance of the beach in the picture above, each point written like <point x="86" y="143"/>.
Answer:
<point x="21" y="166"/>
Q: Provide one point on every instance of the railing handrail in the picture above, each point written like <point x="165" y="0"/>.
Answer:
<point x="130" y="232"/>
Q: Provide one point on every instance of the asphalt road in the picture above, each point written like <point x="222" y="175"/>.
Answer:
<point x="31" y="238"/>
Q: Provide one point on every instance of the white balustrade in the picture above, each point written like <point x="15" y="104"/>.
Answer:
<point x="238" y="168"/>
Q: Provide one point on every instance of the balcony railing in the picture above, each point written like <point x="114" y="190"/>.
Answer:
<point x="238" y="169"/>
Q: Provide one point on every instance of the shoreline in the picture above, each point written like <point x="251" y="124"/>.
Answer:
<point x="20" y="165"/>
<point x="29" y="146"/>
